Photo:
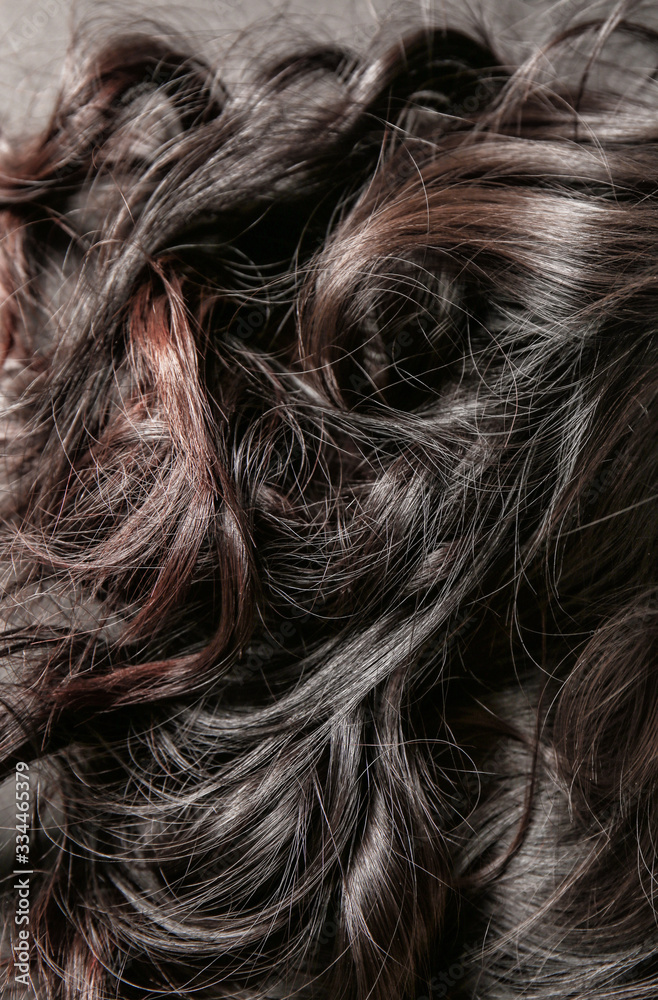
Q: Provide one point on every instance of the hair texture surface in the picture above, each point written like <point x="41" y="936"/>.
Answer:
<point x="329" y="599"/>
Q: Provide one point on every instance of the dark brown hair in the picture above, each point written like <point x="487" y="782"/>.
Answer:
<point x="329" y="520"/>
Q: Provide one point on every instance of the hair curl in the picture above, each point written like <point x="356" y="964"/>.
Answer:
<point x="329" y="607"/>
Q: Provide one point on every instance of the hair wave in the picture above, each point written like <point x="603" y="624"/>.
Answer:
<point x="328" y="531"/>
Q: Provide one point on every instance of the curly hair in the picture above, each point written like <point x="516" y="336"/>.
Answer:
<point x="329" y="525"/>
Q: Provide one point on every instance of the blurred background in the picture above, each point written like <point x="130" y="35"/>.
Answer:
<point x="34" y="34"/>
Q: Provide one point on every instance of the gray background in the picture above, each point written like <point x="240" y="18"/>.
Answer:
<point x="34" y="34"/>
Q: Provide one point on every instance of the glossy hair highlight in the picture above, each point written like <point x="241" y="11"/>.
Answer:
<point x="328" y="530"/>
